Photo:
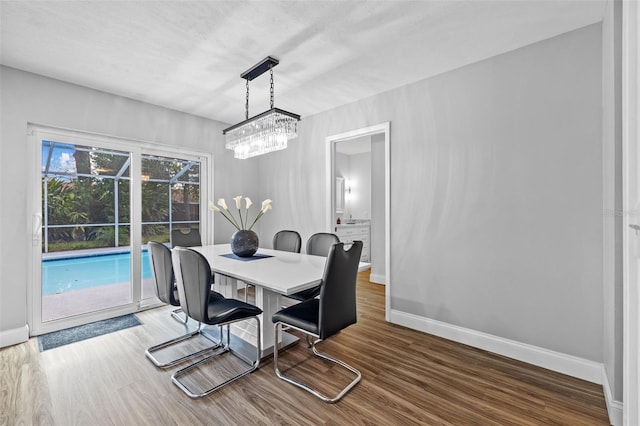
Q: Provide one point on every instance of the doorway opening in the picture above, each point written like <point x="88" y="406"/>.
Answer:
<point x="358" y="195"/>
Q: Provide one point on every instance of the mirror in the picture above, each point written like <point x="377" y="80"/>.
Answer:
<point x="339" y="195"/>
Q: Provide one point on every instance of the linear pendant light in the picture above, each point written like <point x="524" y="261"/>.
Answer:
<point x="266" y="132"/>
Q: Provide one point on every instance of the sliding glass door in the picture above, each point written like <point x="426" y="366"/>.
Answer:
<point x="170" y="201"/>
<point x="99" y="201"/>
<point x="85" y="229"/>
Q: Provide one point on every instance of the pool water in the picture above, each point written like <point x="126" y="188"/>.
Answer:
<point x="75" y="273"/>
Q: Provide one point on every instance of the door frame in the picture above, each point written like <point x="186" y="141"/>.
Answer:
<point x="35" y="134"/>
<point x="382" y="128"/>
<point x="631" y="199"/>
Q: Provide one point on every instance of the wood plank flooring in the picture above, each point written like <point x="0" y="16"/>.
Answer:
<point x="408" y="378"/>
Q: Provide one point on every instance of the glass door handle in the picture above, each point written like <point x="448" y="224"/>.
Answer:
<point x="635" y="227"/>
<point x="36" y="220"/>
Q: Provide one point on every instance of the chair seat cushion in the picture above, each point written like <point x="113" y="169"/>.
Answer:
<point x="304" y="315"/>
<point x="305" y="294"/>
<point x="215" y="295"/>
<point x="176" y="299"/>
<point x="222" y="310"/>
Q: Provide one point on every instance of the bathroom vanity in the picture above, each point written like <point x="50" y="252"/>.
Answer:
<point x="356" y="230"/>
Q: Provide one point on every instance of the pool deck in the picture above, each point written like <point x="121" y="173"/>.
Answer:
<point x="76" y="302"/>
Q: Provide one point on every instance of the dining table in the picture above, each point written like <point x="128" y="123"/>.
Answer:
<point x="273" y="273"/>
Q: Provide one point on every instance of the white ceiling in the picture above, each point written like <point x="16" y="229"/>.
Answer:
<point x="188" y="55"/>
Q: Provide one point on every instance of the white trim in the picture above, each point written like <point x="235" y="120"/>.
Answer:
<point x="562" y="363"/>
<point x="384" y="128"/>
<point x="110" y="139"/>
<point x="631" y="164"/>
<point x="614" y="407"/>
<point x="14" y="336"/>
<point x="378" y="279"/>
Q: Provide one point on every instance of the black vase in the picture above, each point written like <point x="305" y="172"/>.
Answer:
<point x="244" y="243"/>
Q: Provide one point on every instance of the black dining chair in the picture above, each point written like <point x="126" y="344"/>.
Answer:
<point x="165" y="288"/>
<point x="191" y="238"/>
<point x="193" y="277"/>
<point x="286" y="240"/>
<point x="164" y="284"/>
<point x="324" y="317"/>
<point x="318" y="245"/>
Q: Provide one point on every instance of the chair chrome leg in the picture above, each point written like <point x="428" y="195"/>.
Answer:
<point x="199" y="331"/>
<point x="175" y="378"/>
<point x="175" y="314"/>
<point x="304" y="386"/>
<point x="246" y="292"/>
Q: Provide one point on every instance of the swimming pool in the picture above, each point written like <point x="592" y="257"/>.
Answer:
<point x="75" y="273"/>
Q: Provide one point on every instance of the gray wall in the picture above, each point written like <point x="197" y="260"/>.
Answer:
<point x="359" y="204"/>
<point x="356" y="169"/>
<point x="31" y="98"/>
<point x="496" y="192"/>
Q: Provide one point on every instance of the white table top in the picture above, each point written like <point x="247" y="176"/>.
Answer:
<point x="284" y="273"/>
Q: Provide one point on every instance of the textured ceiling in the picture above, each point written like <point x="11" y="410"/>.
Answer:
<point x="188" y="55"/>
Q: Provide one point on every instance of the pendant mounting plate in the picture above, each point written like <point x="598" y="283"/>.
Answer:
<point x="259" y="68"/>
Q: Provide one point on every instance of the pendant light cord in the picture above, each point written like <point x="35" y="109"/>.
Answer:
<point x="271" y="72"/>
<point x="246" y="105"/>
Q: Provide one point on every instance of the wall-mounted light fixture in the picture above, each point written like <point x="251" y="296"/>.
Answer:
<point x="347" y="189"/>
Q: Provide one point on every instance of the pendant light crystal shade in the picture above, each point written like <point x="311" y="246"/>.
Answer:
<point x="264" y="133"/>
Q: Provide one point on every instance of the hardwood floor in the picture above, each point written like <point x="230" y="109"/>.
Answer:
<point x="408" y="378"/>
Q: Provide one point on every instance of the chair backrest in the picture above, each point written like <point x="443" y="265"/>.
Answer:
<point x="193" y="278"/>
<point x="320" y="243"/>
<point x="185" y="239"/>
<point x="162" y="272"/>
<point x="287" y="241"/>
<point x="338" y="289"/>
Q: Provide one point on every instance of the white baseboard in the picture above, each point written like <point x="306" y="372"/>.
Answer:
<point x="614" y="407"/>
<point x="566" y="364"/>
<point x="14" y="336"/>
<point x="378" y="279"/>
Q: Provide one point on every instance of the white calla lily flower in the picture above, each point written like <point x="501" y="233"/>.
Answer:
<point x="238" y="200"/>
<point x="243" y="222"/>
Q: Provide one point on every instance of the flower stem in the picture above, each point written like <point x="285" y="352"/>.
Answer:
<point x="240" y="214"/>
<point x="256" y="219"/>
<point x="230" y="218"/>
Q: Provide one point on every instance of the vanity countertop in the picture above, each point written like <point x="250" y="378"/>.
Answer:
<point x="354" y="222"/>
